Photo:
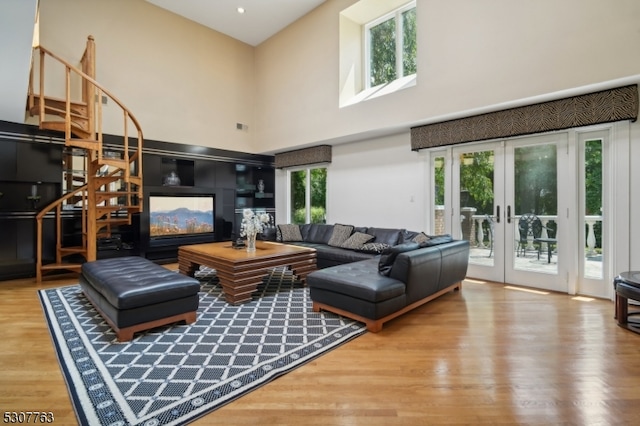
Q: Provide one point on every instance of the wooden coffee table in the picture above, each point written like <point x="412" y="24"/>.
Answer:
<point x="240" y="272"/>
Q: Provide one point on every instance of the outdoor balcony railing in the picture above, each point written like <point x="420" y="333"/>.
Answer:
<point x="482" y="223"/>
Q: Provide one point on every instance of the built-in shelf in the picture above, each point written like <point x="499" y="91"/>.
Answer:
<point x="172" y="168"/>
<point x="263" y="195"/>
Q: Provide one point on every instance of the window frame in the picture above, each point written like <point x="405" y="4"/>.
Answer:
<point x="395" y="14"/>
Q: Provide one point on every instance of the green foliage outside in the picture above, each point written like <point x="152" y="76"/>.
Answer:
<point x="593" y="185"/>
<point x="476" y="181"/>
<point x="383" y="49"/>
<point x="318" y="215"/>
<point x="535" y="181"/>
<point x="476" y="177"/>
<point x="410" y="45"/>
<point x="593" y="177"/>
<point x="318" y="183"/>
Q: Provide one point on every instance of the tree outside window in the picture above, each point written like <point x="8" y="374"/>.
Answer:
<point x="311" y="209"/>
<point x="392" y="46"/>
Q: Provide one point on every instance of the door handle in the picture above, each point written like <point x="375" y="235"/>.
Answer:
<point x="508" y="214"/>
<point x="497" y="214"/>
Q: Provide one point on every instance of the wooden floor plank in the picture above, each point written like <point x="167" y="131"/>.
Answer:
<point x="484" y="355"/>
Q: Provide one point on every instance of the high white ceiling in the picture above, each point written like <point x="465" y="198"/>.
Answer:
<point x="261" y="20"/>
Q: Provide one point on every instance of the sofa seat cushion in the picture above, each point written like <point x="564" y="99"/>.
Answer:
<point x="132" y="282"/>
<point x="341" y="255"/>
<point x="335" y="254"/>
<point x="360" y="280"/>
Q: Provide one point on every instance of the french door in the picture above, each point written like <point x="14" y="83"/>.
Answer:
<point x="509" y="192"/>
<point x="532" y="208"/>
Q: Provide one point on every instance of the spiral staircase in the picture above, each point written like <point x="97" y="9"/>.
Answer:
<point x="101" y="184"/>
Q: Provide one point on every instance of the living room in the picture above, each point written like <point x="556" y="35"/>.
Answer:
<point x="190" y="85"/>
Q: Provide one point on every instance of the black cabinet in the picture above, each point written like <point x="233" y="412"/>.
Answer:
<point x="31" y="160"/>
<point x="38" y="162"/>
<point x="255" y="186"/>
<point x="8" y="164"/>
<point x="177" y="172"/>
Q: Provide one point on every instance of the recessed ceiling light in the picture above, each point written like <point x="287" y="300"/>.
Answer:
<point x="240" y="10"/>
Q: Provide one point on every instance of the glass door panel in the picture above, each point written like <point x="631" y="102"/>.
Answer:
<point x="535" y="231"/>
<point x="438" y="217"/>
<point x="536" y="208"/>
<point x="592" y="217"/>
<point x="593" y="224"/>
<point x="476" y="176"/>
<point x="477" y="196"/>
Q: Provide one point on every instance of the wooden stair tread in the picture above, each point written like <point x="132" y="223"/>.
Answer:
<point x="48" y="109"/>
<point x="113" y="194"/>
<point x="113" y="220"/>
<point x="76" y="267"/>
<point x="91" y="144"/>
<point x="60" y="125"/>
<point x="101" y="212"/>
<point x="72" y="250"/>
<point x="60" y="100"/>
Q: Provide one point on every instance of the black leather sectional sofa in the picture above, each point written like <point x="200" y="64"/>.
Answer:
<point x="376" y="274"/>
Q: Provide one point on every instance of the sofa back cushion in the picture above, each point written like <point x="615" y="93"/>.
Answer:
<point x="386" y="235"/>
<point x="389" y="256"/>
<point x="316" y="233"/>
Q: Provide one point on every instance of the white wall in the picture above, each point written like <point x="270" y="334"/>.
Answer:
<point x="379" y="182"/>
<point x="183" y="82"/>
<point x="17" y="20"/>
<point x="471" y="54"/>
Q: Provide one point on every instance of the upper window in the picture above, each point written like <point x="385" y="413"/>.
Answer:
<point x="378" y="49"/>
<point x="391" y="46"/>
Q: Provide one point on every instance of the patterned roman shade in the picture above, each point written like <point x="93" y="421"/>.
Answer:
<point x="600" y="107"/>
<point x="301" y="157"/>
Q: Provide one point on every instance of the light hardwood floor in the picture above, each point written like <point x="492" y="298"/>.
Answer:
<point x="485" y="355"/>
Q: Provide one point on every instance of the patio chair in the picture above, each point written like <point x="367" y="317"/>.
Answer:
<point x="529" y="228"/>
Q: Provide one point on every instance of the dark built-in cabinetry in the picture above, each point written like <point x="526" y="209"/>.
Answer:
<point x="31" y="173"/>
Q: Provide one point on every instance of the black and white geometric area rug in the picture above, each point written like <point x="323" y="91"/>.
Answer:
<point x="175" y="374"/>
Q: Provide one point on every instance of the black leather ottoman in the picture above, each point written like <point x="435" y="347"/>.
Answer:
<point x="627" y="286"/>
<point x="134" y="294"/>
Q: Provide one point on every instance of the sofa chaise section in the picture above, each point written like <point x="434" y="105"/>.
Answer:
<point x="416" y="275"/>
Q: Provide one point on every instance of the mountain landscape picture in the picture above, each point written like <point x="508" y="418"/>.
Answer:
<point x="180" y="215"/>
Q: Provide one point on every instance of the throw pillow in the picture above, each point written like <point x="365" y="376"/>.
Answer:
<point x="290" y="232"/>
<point x="357" y="240"/>
<point x="389" y="256"/>
<point x="375" y="248"/>
<point x="420" y="238"/>
<point x="340" y="234"/>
